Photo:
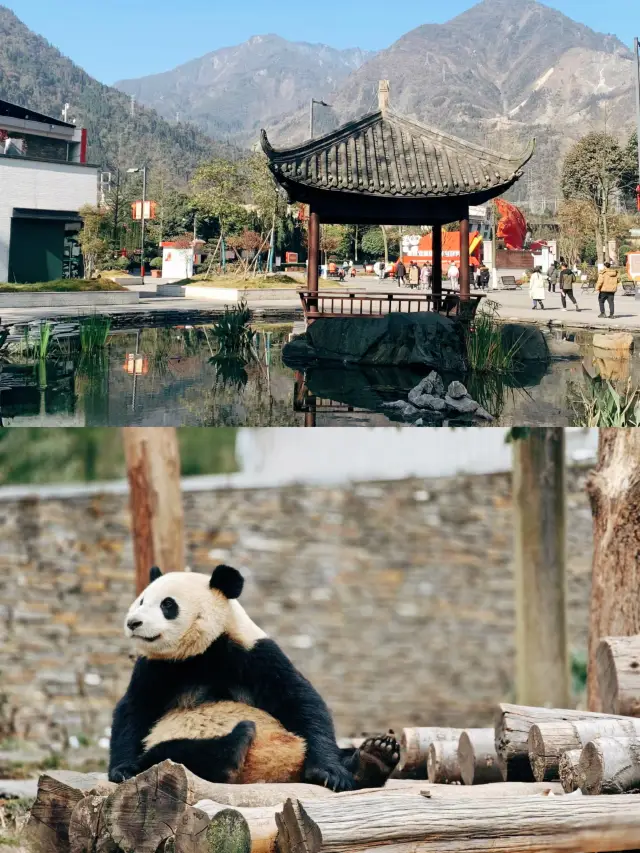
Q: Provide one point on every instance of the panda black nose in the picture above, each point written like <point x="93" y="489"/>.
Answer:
<point x="132" y="624"/>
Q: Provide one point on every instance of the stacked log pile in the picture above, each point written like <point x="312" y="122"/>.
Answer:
<point x="519" y="786"/>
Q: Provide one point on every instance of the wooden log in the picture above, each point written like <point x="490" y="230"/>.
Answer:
<point x="511" y="789"/>
<point x="477" y="757"/>
<point x="513" y="723"/>
<point x="442" y="763"/>
<point x="618" y="668"/>
<point x="59" y="791"/>
<point x="227" y="832"/>
<point x="260" y="821"/>
<point x="414" y="746"/>
<point x="153" y="470"/>
<point x="411" y="824"/>
<point x="568" y="769"/>
<point x="610" y="766"/>
<point x="548" y="740"/>
<point x="87" y="830"/>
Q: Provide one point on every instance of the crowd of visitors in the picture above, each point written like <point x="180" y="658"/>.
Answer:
<point x="561" y="276"/>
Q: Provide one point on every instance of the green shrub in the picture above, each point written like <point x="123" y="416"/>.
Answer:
<point x="122" y="264"/>
<point x="94" y="332"/>
<point x="156" y="264"/>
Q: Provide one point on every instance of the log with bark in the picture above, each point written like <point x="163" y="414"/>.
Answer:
<point x="548" y="740"/>
<point x="513" y="723"/>
<point x="414" y="748"/>
<point x="610" y="766"/>
<point x="477" y="757"/>
<point x="443" y="767"/>
<point x="618" y="669"/>
<point x="412" y="824"/>
<point x="614" y="491"/>
<point x="569" y="770"/>
<point x="58" y="794"/>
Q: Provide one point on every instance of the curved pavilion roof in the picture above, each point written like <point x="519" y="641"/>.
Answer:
<point x="389" y="164"/>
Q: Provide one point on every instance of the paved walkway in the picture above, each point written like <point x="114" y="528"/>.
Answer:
<point x="513" y="305"/>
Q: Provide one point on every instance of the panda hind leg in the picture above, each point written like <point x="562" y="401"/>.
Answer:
<point x="373" y="762"/>
<point x="218" y="759"/>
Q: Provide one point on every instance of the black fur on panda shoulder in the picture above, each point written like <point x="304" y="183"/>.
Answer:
<point x="262" y="676"/>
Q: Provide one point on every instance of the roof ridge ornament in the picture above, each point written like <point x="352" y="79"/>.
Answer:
<point x="383" y="95"/>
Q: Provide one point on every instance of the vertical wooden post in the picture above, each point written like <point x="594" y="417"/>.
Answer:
<point x="153" y="469"/>
<point x="465" y="284"/>
<point x="614" y="491"/>
<point x="436" y="266"/>
<point x="314" y="256"/>
<point x="542" y="660"/>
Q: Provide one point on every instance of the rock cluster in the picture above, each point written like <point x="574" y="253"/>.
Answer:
<point x="430" y="396"/>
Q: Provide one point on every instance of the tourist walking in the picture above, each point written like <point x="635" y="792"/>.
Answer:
<point x="566" y="280"/>
<point x="453" y="275"/>
<point x="607" y="285"/>
<point x="553" y="277"/>
<point x="425" y="276"/>
<point x="414" y="274"/>
<point x="401" y="272"/>
<point x="537" y="290"/>
<point x="378" y="269"/>
<point x="484" y="277"/>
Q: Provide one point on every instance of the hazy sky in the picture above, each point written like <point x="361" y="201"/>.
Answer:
<point x="113" y="39"/>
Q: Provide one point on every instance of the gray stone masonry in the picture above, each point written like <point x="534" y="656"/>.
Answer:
<point x="395" y="599"/>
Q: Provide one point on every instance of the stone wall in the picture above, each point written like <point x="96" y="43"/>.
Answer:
<point x="394" y="598"/>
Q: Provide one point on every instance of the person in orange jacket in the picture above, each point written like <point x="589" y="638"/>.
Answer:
<point x="607" y="285"/>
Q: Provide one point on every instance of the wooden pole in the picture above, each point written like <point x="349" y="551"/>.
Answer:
<point x="614" y="490"/>
<point x="414" y="748"/>
<point x="477" y="757"/>
<point x="465" y="283"/>
<point x="153" y="469"/>
<point x="314" y="255"/>
<point x="618" y="668"/>
<point x="443" y="767"/>
<point x="436" y="276"/>
<point x="542" y="657"/>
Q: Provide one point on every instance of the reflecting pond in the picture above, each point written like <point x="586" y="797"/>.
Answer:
<point x="176" y="376"/>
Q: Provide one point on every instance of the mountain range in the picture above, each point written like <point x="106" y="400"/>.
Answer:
<point x="500" y="73"/>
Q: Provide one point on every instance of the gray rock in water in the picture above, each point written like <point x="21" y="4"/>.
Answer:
<point x="483" y="414"/>
<point x="457" y="391"/>
<point x="419" y="422"/>
<point x="409" y="411"/>
<point x="395" y="339"/>
<point x="527" y="342"/>
<point x="430" y="401"/>
<point x="438" y="384"/>
<point x="462" y="405"/>
<point x="423" y="387"/>
<point x="399" y="404"/>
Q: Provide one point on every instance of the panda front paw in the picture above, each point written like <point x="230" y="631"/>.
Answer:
<point x="123" y="772"/>
<point x="337" y="778"/>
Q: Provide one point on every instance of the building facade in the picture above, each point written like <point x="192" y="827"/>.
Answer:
<point x="44" y="181"/>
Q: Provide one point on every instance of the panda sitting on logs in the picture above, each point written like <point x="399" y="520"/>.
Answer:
<point x="211" y="691"/>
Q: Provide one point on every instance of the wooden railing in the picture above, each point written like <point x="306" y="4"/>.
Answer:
<point x="352" y="303"/>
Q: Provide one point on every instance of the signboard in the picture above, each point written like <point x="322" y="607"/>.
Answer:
<point x="149" y="210"/>
<point x="633" y="265"/>
<point x="177" y="263"/>
<point x="291" y="257"/>
<point x="478" y="212"/>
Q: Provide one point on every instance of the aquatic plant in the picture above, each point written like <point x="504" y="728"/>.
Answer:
<point x="230" y="370"/>
<point x="37" y="346"/>
<point x="598" y="403"/>
<point x="486" y="348"/>
<point x="232" y="331"/>
<point x="94" y="332"/>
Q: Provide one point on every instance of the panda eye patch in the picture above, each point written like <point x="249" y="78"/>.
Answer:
<point x="169" y="607"/>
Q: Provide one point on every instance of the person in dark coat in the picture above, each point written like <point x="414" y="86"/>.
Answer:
<point x="566" y="280"/>
<point x="401" y="272"/>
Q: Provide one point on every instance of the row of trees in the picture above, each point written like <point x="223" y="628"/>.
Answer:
<point x="599" y="180"/>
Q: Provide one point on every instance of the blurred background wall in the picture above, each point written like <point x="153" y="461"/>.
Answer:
<point x="385" y="571"/>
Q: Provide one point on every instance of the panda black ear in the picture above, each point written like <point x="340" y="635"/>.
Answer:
<point x="154" y="574"/>
<point x="229" y="581"/>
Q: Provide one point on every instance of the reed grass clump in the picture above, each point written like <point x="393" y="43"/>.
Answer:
<point x="486" y="348"/>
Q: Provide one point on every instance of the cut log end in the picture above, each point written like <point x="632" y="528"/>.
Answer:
<point x="538" y="757"/>
<point x="228" y="832"/>
<point x="569" y="772"/>
<point x="442" y="763"/>
<point x="477" y="757"/>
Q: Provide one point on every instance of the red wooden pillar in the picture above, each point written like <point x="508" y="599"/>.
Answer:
<point x="436" y="266"/>
<point x="314" y="255"/>
<point x="465" y="284"/>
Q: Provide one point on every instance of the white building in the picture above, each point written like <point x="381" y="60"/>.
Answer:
<point x="44" y="181"/>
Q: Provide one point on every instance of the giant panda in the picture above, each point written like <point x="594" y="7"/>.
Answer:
<point x="211" y="691"/>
